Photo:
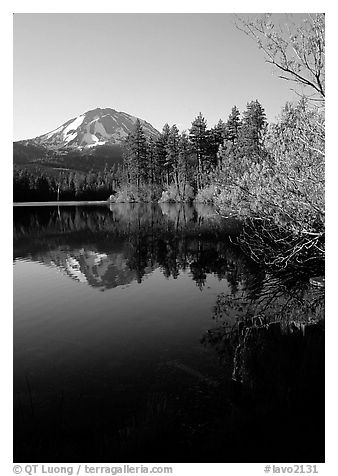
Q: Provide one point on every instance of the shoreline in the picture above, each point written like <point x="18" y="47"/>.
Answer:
<point x="94" y="202"/>
<point x="60" y="203"/>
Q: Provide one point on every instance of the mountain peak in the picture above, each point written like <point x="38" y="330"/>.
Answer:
<point x="93" y="128"/>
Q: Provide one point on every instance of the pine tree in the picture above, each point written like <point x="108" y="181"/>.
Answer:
<point x="140" y="149"/>
<point x="198" y="135"/>
<point x="161" y="154"/>
<point x="172" y="150"/>
<point x="152" y="165"/>
<point x="252" y="132"/>
<point x="219" y="131"/>
<point x="183" y="164"/>
<point x="135" y="156"/>
<point x="229" y="150"/>
<point x="129" y="165"/>
<point x="215" y="139"/>
<point x="232" y="126"/>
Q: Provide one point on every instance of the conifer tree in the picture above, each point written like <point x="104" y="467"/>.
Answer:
<point x="140" y="150"/>
<point x="198" y="135"/>
<point x="161" y="153"/>
<point x="172" y="150"/>
<point x="183" y="164"/>
<point x="215" y="139"/>
<point x="135" y="156"/>
<point x="251" y="137"/>
<point x="232" y="126"/>
<point x="152" y="166"/>
<point x="229" y="150"/>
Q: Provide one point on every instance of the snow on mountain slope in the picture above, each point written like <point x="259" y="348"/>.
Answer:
<point x="97" y="269"/>
<point x="93" y="128"/>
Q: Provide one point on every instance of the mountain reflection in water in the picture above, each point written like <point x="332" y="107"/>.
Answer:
<point x="106" y="248"/>
<point x="192" y="353"/>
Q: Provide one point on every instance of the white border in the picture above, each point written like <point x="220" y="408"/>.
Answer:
<point x="173" y="6"/>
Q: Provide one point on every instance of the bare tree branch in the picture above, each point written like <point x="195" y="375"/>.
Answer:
<point x="298" y="50"/>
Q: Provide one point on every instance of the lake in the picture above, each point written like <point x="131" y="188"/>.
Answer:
<point x="142" y="333"/>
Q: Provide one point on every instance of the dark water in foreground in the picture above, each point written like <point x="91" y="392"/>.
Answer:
<point x="136" y="339"/>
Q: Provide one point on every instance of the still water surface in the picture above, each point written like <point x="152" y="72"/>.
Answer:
<point x="113" y="360"/>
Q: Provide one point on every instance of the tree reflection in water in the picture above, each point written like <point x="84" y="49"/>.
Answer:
<point x="111" y="247"/>
<point x="271" y="343"/>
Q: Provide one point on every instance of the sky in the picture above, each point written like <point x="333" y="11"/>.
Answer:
<point x="159" y="67"/>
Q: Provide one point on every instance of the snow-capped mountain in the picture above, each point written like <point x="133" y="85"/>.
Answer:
<point x="96" y="269"/>
<point x="93" y="128"/>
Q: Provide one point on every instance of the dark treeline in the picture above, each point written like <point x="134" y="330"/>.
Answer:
<point x="41" y="185"/>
